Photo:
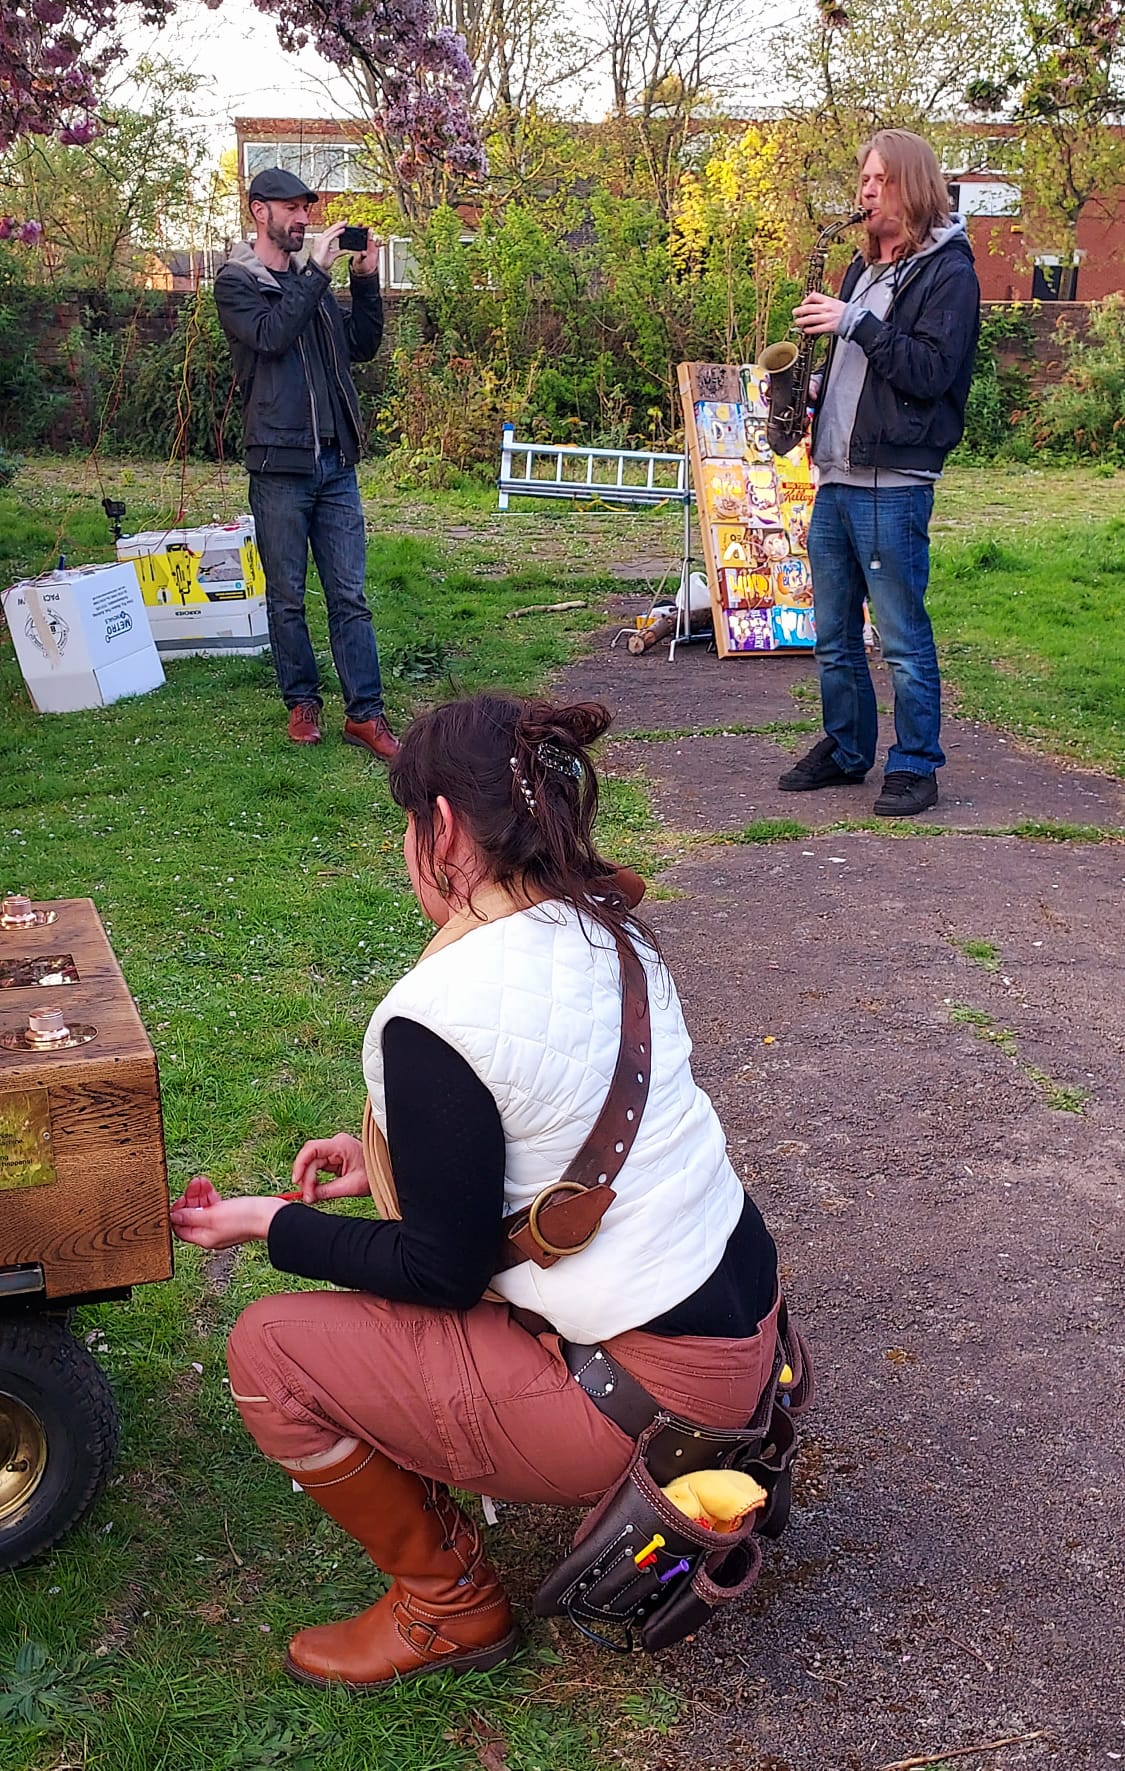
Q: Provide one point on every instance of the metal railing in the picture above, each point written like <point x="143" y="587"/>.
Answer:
<point x="610" y="476"/>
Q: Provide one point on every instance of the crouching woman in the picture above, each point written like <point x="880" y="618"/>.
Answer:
<point x="538" y="1039"/>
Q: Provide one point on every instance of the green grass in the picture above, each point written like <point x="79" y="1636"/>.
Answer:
<point x="256" y="896"/>
<point x="983" y="953"/>
<point x="1027" y="569"/>
<point x="770" y="830"/>
<point x="1036" y="830"/>
<point x="1031" y="631"/>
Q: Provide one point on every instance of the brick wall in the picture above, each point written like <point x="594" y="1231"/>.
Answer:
<point x="1049" y="322"/>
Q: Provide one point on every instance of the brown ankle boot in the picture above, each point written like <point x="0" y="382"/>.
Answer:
<point x="445" y="1607"/>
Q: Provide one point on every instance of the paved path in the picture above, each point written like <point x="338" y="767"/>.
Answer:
<point x="916" y="1048"/>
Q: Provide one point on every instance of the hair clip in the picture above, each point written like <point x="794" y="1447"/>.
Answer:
<point x="525" y="788"/>
<point x="554" y="757"/>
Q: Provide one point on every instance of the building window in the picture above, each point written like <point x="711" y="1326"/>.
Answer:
<point x="994" y="197"/>
<point x="404" y="265"/>
<point x="1054" y="280"/>
<point x="324" y="166"/>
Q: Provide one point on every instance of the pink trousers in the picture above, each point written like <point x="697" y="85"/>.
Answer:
<point x="469" y="1398"/>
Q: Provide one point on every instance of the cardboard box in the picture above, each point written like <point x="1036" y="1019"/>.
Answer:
<point x="82" y="637"/>
<point x="217" y="630"/>
<point x="180" y="567"/>
<point x="204" y="588"/>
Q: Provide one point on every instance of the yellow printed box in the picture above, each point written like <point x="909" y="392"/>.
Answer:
<point x="179" y="568"/>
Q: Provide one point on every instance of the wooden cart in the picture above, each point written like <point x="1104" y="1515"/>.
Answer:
<point x="83" y="1206"/>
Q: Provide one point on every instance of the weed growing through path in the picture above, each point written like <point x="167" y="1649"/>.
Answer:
<point x="1057" y="1095"/>
<point x="771" y="830"/>
<point x="1035" y="830"/>
<point x="982" y="953"/>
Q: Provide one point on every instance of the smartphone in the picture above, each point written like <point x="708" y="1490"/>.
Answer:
<point x="353" y="240"/>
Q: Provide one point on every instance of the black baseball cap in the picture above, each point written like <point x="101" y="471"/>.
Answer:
<point x="274" y="185"/>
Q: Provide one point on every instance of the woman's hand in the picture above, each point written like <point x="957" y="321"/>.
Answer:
<point x="202" y="1216"/>
<point x="341" y="1156"/>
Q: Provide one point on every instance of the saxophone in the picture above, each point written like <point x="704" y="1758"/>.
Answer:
<point x="789" y="365"/>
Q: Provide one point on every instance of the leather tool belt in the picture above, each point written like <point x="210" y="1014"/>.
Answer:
<point x="565" y="1216"/>
<point x="625" y="1599"/>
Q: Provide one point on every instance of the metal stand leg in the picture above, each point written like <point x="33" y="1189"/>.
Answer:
<point x="683" y="599"/>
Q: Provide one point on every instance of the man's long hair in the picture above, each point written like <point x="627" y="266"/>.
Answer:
<point x="912" y="166"/>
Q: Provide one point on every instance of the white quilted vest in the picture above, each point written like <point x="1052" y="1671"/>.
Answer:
<point x="534" y="1006"/>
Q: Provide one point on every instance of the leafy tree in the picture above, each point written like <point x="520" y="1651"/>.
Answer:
<point x="877" y="66"/>
<point x="1062" y="87"/>
<point x="665" y="60"/>
<point x="132" y="188"/>
<point x="733" y="227"/>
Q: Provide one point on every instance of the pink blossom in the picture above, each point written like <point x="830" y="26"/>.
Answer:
<point x="27" y="233"/>
<point x="54" y="55"/>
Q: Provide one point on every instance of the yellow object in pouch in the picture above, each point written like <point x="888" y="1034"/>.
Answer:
<point x="717" y="1499"/>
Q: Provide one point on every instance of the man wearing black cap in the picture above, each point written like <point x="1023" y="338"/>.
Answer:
<point x="292" y="344"/>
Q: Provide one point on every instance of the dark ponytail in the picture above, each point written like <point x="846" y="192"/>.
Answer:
<point x="519" y="775"/>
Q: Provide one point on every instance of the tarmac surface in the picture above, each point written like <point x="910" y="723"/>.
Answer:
<point x="915" y="1042"/>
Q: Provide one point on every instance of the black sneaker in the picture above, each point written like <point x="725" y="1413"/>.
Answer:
<point x="904" y="794"/>
<point x="818" y="769"/>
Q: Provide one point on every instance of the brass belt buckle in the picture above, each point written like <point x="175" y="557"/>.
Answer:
<point x="541" y="1199"/>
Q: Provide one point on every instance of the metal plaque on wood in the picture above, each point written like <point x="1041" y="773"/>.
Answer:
<point x="26" y="1158"/>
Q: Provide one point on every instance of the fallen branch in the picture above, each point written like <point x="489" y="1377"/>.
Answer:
<point x="663" y="628"/>
<point x="542" y="609"/>
<point x="959" y="1752"/>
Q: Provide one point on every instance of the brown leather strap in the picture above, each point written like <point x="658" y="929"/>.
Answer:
<point x="610" y="1387"/>
<point x="564" y="1218"/>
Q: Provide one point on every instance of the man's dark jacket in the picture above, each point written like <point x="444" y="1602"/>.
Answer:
<point x="266" y="324"/>
<point x="920" y="358"/>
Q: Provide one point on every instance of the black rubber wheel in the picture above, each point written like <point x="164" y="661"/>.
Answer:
<point x="58" y="1435"/>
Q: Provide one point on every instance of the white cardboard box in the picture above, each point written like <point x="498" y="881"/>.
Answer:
<point x="82" y="637"/>
<point x="217" y="630"/>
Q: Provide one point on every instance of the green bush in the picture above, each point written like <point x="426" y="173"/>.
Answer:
<point x="31" y="395"/>
<point x="176" y="397"/>
<point x="1000" y="393"/>
<point x="1083" y="415"/>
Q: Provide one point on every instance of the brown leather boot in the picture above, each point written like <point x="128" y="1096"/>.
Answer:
<point x="445" y="1607"/>
<point x="374" y="735"/>
<point x="304" y="723"/>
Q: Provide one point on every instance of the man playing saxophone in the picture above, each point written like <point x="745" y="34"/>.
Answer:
<point x="891" y="405"/>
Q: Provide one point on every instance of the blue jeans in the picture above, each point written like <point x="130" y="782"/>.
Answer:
<point x="842" y="542"/>
<point x="321" y="510"/>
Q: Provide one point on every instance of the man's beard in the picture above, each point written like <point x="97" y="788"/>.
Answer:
<point x="281" y="235"/>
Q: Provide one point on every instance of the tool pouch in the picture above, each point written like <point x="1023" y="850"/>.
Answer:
<point x="643" y="1575"/>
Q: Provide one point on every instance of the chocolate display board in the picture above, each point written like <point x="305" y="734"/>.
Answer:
<point x="754" y="509"/>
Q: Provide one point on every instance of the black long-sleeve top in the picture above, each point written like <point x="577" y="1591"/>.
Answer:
<point x="446" y="1144"/>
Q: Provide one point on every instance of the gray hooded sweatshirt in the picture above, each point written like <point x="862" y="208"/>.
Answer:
<point x="873" y="295"/>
